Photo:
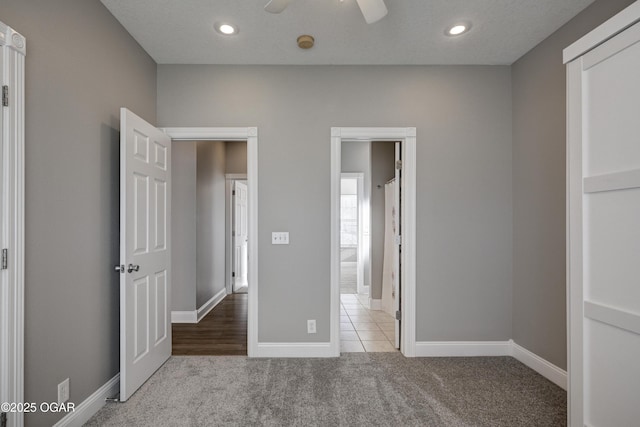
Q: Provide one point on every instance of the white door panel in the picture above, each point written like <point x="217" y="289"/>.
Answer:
<point x="145" y="333"/>
<point x="240" y="240"/>
<point x="612" y="397"/>
<point x="604" y="233"/>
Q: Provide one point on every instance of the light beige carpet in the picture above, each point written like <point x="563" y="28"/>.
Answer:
<point x="365" y="389"/>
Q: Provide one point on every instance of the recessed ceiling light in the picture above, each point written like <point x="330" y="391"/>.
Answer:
<point x="458" y="29"/>
<point x="226" y="29"/>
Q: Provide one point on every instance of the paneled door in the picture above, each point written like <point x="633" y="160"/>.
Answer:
<point x="145" y="251"/>
<point x="397" y="268"/>
<point x="240" y="235"/>
<point x="604" y="233"/>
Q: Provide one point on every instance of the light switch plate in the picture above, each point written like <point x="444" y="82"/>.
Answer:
<point x="280" y="238"/>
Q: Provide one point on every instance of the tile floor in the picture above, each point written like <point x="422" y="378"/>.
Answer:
<point x="362" y="329"/>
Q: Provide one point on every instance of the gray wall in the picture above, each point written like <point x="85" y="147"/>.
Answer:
<point x="383" y="155"/>
<point x="81" y="67"/>
<point x="539" y="135"/>
<point x="236" y="157"/>
<point x="199" y="215"/>
<point x="356" y="158"/>
<point x="464" y="236"/>
<point x="183" y="226"/>
<point x="210" y="228"/>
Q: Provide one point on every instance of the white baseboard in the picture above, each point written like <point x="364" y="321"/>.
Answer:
<point x="311" y="349"/>
<point x="493" y="348"/>
<point x="184" y="316"/>
<point x="543" y="367"/>
<point x="462" y="348"/>
<point x="91" y="405"/>
<point x="209" y="305"/>
<point x="196" y="316"/>
<point x="375" y="304"/>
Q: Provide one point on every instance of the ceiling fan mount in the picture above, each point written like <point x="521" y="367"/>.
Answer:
<point x="372" y="10"/>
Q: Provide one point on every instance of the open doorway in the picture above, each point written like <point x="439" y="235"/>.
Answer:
<point x="369" y="248"/>
<point x="389" y="305"/>
<point x="210" y="239"/>
<point x="354" y="224"/>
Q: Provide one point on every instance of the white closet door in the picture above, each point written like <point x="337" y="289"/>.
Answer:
<point x="604" y="233"/>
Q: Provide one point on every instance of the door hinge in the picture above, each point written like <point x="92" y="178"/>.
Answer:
<point x="233" y="193"/>
<point x="398" y="240"/>
<point x="399" y="165"/>
<point x="3" y="419"/>
<point x="5" y="96"/>
<point x="233" y="274"/>
<point x="398" y="315"/>
<point x="5" y="259"/>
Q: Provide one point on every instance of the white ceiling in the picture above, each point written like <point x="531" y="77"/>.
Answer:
<point x="181" y="31"/>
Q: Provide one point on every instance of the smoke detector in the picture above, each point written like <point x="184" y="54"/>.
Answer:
<point x="305" y="41"/>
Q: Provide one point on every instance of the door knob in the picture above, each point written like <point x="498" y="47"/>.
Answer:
<point x="133" y="268"/>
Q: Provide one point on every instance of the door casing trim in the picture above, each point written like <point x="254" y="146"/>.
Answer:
<point x="407" y="137"/>
<point x="12" y="74"/>
<point x="249" y="134"/>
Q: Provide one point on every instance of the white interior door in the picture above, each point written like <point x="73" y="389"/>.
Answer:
<point x="398" y="246"/>
<point x="5" y="342"/>
<point x="240" y="235"/>
<point x="604" y="231"/>
<point x="145" y="211"/>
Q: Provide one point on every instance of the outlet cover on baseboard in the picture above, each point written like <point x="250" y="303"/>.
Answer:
<point x="63" y="391"/>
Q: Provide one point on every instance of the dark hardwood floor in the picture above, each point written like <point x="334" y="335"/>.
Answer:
<point x="222" y="332"/>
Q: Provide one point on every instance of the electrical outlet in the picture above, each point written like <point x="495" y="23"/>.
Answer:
<point x="63" y="391"/>
<point x="311" y="326"/>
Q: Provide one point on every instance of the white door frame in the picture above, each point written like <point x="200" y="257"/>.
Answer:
<point x="249" y="134"/>
<point x="359" y="176"/>
<point x="407" y="136"/>
<point x="229" y="183"/>
<point x="12" y="53"/>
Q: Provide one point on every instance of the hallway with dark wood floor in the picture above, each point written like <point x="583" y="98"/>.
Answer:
<point x="222" y="332"/>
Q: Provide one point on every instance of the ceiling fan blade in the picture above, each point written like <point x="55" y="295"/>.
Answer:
<point x="373" y="10"/>
<point x="277" y="6"/>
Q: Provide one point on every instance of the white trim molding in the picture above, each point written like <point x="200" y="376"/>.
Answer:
<point x="91" y="405"/>
<point x="210" y="305"/>
<point x="311" y="349"/>
<point x="12" y="39"/>
<point x="190" y="316"/>
<point x="463" y="348"/>
<point x="543" y="367"/>
<point x="12" y="117"/>
<point x="492" y="349"/>
<point x="604" y="32"/>
<point x="195" y="316"/>
<point x="407" y="137"/>
<point x="249" y="134"/>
